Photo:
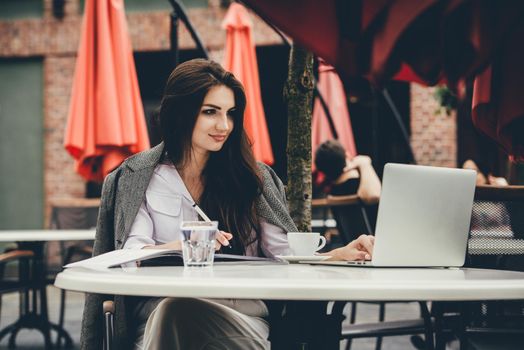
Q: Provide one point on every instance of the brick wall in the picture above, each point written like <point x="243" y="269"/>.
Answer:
<point x="60" y="180"/>
<point x="433" y="134"/>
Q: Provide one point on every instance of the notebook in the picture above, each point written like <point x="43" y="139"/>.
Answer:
<point x="162" y="257"/>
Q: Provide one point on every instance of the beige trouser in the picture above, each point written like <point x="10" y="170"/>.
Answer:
<point x="202" y="324"/>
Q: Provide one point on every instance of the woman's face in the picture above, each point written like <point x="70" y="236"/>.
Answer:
<point x="215" y="120"/>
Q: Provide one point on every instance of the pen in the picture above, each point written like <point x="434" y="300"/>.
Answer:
<point x="205" y="217"/>
<point x="201" y="213"/>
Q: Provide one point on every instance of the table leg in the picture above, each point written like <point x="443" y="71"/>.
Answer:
<point x="44" y="320"/>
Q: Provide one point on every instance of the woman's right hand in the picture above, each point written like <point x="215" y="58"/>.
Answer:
<point x="359" y="249"/>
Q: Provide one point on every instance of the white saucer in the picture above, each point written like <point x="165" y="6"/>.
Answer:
<point x="297" y="258"/>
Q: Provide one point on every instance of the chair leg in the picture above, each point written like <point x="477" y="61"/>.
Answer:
<point x="438" y="314"/>
<point x="352" y="319"/>
<point x="24" y="272"/>
<point x="428" y="326"/>
<point x="353" y="312"/>
<point x="12" y="338"/>
<point x="61" y="317"/>
<point x="381" y="317"/>
<point x="464" y="317"/>
<point x="66" y="259"/>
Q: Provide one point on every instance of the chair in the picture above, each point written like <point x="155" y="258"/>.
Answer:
<point x="72" y="213"/>
<point x="20" y="283"/>
<point x="351" y="214"/>
<point x="496" y="241"/>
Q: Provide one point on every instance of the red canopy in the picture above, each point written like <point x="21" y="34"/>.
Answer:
<point x="425" y="40"/>
<point x="332" y="90"/>
<point x="498" y="105"/>
<point x="241" y="59"/>
<point x="106" y="121"/>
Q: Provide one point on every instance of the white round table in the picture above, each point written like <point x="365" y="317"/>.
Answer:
<point x="299" y="282"/>
<point x="46" y="235"/>
<point x="37" y="315"/>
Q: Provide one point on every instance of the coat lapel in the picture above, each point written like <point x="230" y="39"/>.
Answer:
<point x="132" y="187"/>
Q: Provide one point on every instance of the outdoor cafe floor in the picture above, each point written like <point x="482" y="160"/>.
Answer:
<point x="32" y="339"/>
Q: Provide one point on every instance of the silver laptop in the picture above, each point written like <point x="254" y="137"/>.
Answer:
<point x="423" y="217"/>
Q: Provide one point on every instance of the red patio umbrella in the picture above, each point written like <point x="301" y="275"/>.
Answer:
<point x="240" y="59"/>
<point x="332" y="90"/>
<point x="106" y="121"/>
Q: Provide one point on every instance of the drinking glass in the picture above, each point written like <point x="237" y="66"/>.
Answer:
<point x="198" y="244"/>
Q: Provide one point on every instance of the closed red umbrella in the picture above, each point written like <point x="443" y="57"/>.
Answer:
<point x="240" y="59"/>
<point x="106" y="121"/>
<point x="332" y="90"/>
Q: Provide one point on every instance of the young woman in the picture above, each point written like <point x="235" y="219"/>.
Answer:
<point x="205" y="158"/>
<point x="484" y="174"/>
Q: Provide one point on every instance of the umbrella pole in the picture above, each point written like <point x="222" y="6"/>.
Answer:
<point x="173" y="37"/>
<point x="182" y="14"/>
<point x="400" y="123"/>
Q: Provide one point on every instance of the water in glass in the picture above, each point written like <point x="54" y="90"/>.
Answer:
<point x="198" y="245"/>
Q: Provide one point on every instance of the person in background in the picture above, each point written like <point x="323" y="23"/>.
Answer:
<point x="484" y="175"/>
<point x="346" y="175"/>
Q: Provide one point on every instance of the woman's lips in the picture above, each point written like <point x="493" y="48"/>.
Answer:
<point x="218" y="138"/>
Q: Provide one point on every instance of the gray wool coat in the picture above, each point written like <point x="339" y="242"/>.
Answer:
<point x="122" y="193"/>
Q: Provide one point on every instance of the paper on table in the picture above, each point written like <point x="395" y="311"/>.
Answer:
<point x="161" y="257"/>
<point x="117" y="258"/>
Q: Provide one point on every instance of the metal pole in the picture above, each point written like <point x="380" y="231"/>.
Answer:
<point x="400" y="123"/>
<point x="182" y="14"/>
<point x="173" y="37"/>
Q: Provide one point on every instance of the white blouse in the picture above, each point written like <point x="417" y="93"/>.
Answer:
<point x="168" y="202"/>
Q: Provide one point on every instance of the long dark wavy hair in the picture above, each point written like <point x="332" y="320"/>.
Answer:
<point x="230" y="176"/>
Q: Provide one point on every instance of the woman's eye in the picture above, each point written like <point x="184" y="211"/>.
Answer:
<point x="209" y="111"/>
<point x="231" y="113"/>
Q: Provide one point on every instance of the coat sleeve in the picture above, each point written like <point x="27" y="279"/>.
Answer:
<point x="272" y="204"/>
<point x="92" y="322"/>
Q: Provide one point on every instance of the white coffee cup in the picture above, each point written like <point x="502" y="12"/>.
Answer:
<point x="305" y="243"/>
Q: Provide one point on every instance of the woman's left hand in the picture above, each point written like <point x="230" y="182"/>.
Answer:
<point x="359" y="249"/>
<point x="222" y="238"/>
